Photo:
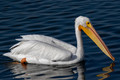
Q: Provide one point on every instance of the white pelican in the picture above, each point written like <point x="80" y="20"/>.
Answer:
<point x="41" y="49"/>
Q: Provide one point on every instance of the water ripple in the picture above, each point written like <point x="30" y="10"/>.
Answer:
<point x="56" y="19"/>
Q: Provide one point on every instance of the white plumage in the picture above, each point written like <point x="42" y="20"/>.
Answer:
<point x="48" y="49"/>
<point x="42" y="49"/>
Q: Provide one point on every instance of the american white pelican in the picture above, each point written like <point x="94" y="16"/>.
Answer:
<point x="41" y="49"/>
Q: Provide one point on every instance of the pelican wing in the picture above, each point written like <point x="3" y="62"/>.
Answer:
<point x="49" y="40"/>
<point x="40" y="50"/>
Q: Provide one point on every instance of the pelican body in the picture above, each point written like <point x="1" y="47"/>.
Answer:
<point x="40" y="49"/>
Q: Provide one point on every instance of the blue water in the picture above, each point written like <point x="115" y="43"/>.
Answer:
<point x="55" y="18"/>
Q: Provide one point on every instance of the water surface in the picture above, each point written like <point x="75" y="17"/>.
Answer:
<point x="55" y="18"/>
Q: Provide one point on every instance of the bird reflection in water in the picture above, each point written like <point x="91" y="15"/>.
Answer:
<point x="108" y="70"/>
<point x="45" y="72"/>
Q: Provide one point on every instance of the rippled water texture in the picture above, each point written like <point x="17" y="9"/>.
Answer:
<point x="55" y="18"/>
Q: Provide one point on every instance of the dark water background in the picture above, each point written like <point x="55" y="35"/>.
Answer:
<point x="55" y="18"/>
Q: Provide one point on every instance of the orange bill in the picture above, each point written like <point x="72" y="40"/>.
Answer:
<point x="90" y="31"/>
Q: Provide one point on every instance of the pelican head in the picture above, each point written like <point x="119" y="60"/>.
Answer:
<point x="84" y="24"/>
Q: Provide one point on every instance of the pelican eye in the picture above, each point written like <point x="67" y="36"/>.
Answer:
<point x="88" y="23"/>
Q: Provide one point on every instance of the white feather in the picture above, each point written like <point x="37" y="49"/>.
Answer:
<point x="41" y="49"/>
<point x="49" y="40"/>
